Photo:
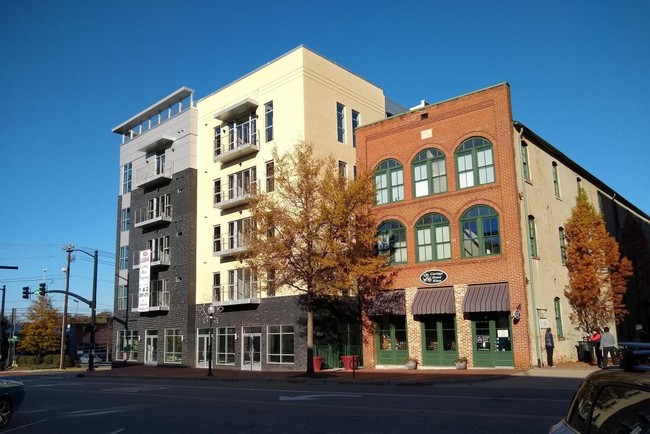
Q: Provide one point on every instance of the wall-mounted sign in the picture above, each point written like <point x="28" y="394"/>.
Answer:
<point x="433" y="277"/>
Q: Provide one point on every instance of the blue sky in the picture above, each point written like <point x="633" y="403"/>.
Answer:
<point x="72" y="70"/>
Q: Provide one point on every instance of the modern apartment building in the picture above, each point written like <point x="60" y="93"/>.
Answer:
<point x="472" y="207"/>
<point x="188" y="168"/>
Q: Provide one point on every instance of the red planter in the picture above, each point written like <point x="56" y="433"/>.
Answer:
<point x="350" y="362"/>
<point x="318" y="363"/>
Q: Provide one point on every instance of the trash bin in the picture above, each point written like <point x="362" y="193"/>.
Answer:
<point x="584" y="351"/>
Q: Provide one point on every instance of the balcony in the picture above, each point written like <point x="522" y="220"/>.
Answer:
<point x="237" y="294"/>
<point x="158" y="259"/>
<point x="159" y="298"/>
<point x="148" y="218"/>
<point x="239" y="142"/>
<point x="153" y="176"/>
<point x="237" y="196"/>
<point x="229" y="245"/>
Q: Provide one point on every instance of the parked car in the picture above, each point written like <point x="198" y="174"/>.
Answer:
<point x="12" y="393"/>
<point x="613" y="400"/>
<point x="85" y="358"/>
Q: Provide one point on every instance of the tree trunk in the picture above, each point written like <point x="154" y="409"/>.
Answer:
<point x="310" y="340"/>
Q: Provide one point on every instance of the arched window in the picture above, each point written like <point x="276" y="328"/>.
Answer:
<point x="433" y="238"/>
<point x="389" y="181"/>
<point x="474" y="162"/>
<point x="480" y="232"/>
<point x="429" y="173"/>
<point x="391" y="238"/>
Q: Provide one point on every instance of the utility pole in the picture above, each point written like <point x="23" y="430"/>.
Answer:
<point x="68" y="248"/>
<point x="2" y="328"/>
<point x="93" y="312"/>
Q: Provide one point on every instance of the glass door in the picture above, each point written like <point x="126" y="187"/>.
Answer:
<point x="151" y="347"/>
<point x="251" y="346"/>
<point x="202" y="343"/>
<point x="392" y="345"/>
<point x="492" y="340"/>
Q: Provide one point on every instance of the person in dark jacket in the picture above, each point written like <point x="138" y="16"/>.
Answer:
<point x="595" y="341"/>
<point x="550" y="345"/>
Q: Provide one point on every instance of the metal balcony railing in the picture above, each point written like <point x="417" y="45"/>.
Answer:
<point x="229" y="244"/>
<point x="236" y="143"/>
<point x="238" y="293"/>
<point x="239" y="195"/>
<point x="159" y="297"/>
<point x="146" y="217"/>
<point x="152" y="176"/>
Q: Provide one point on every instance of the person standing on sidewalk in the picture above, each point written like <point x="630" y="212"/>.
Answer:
<point x="550" y="345"/>
<point x="608" y="344"/>
<point x="595" y="341"/>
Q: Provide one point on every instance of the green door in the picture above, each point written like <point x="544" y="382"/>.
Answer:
<point x="492" y="339"/>
<point x="439" y="340"/>
<point x="392" y="346"/>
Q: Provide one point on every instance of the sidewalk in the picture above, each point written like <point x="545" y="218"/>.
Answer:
<point x="421" y="376"/>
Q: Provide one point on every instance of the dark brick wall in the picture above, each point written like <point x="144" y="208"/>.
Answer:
<point x="180" y="275"/>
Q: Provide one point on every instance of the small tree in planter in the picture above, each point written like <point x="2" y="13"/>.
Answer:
<point x="461" y="362"/>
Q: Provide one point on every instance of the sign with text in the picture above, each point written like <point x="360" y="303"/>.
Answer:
<point x="433" y="277"/>
<point x="144" y="281"/>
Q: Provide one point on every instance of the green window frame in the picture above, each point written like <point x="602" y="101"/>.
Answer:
<point x="474" y="163"/>
<point x="558" y="318"/>
<point x="524" y="161"/>
<point x="433" y="238"/>
<point x="429" y="173"/>
<point x="532" y="236"/>
<point x="480" y="233"/>
<point x="391" y="238"/>
<point x="562" y="237"/>
<point x="556" y="181"/>
<point x="389" y="182"/>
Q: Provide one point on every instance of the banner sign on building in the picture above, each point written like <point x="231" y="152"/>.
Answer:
<point x="433" y="277"/>
<point x="144" y="281"/>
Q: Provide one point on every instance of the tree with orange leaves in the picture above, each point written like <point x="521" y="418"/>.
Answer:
<point x="598" y="275"/>
<point x="315" y="233"/>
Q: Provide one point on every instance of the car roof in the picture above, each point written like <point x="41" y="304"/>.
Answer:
<point x="614" y="375"/>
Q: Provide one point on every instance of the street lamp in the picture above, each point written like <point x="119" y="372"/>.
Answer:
<point x="93" y="304"/>
<point x="211" y="318"/>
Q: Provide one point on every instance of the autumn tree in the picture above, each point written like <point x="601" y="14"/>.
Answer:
<point x="40" y="334"/>
<point x="597" y="273"/>
<point x="315" y="232"/>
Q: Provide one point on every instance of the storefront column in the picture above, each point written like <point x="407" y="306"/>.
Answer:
<point x="413" y="329"/>
<point x="463" y="326"/>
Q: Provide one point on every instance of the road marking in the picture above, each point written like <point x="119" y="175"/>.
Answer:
<point x="99" y="412"/>
<point x="313" y="397"/>
<point x="136" y="389"/>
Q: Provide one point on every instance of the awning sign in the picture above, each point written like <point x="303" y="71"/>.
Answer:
<point x="433" y="277"/>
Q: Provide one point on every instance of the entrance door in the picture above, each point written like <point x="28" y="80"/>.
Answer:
<point x="492" y="340"/>
<point x="202" y="343"/>
<point x="392" y="345"/>
<point x="151" y="347"/>
<point x="251" y="359"/>
<point x="439" y="340"/>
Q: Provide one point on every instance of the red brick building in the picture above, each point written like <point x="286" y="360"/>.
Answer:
<point x="471" y="207"/>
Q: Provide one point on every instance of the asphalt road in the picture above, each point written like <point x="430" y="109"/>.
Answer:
<point x="99" y="405"/>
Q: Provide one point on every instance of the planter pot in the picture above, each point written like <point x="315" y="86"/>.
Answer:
<point x="318" y="363"/>
<point x="411" y="364"/>
<point x="350" y="362"/>
<point x="461" y="365"/>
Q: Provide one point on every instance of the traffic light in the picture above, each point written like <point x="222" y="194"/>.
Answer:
<point x="41" y="289"/>
<point x="25" y="292"/>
